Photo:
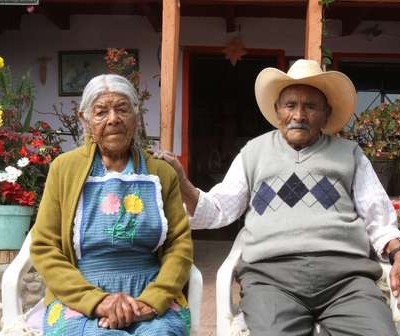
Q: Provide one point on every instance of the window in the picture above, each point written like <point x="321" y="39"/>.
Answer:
<point x="375" y="81"/>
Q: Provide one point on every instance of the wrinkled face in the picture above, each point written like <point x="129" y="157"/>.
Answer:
<point x="302" y="112"/>
<point x="112" y="123"/>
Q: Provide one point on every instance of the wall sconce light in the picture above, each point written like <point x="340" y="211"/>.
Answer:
<point x="43" y="68"/>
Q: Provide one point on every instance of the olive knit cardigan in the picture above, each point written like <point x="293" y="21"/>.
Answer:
<point x="52" y="250"/>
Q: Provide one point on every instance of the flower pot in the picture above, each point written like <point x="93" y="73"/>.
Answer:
<point x="14" y="225"/>
<point x="385" y="169"/>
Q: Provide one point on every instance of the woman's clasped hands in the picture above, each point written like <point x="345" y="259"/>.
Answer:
<point x="120" y="310"/>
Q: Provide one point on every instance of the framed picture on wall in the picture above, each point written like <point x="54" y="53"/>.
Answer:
<point x="77" y="67"/>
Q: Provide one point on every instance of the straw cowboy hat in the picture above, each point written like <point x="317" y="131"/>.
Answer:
<point x="337" y="87"/>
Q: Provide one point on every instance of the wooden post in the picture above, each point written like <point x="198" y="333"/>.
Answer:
<point x="313" y="31"/>
<point x="169" y="64"/>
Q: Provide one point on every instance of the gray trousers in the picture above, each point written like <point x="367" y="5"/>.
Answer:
<point x="287" y="296"/>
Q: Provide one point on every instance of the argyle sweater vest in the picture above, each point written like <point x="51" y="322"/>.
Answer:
<point x="301" y="201"/>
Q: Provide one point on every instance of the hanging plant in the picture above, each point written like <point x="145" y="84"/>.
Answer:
<point x="326" y="52"/>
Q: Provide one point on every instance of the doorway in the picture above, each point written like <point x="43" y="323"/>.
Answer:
<point x="223" y="116"/>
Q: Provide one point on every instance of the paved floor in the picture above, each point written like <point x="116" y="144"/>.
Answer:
<point x="209" y="255"/>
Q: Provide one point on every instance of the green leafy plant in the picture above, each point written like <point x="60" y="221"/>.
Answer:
<point x="326" y="52"/>
<point x="326" y="3"/>
<point x="69" y="120"/>
<point x="16" y="98"/>
<point x="377" y="131"/>
<point x="25" y="151"/>
<point x="24" y="163"/>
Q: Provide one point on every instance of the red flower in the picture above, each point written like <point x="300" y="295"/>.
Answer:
<point x="46" y="159"/>
<point x="37" y="143"/>
<point x="23" y="151"/>
<point x="8" y="189"/>
<point x="26" y="150"/>
<point x="14" y="193"/>
<point x="396" y="205"/>
<point x="25" y="198"/>
<point x="35" y="158"/>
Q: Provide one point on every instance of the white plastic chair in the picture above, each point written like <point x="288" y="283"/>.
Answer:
<point x="15" y="321"/>
<point x="230" y="321"/>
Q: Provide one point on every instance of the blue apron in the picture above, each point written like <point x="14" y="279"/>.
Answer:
<point x="118" y="227"/>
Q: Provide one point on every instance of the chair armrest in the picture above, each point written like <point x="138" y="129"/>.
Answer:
<point x="195" y="295"/>
<point x="11" y="284"/>
<point x="393" y="300"/>
<point x="225" y="277"/>
<point x="12" y="280"/>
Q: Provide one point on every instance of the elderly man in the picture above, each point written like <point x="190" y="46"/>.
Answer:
<point x="313" y="205"/>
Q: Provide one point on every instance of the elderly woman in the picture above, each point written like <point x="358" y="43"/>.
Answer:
<point x="111" y="238"/>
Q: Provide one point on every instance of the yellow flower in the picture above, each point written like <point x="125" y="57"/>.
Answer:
<point x="1" y="62"/>
<point x="133" y="204"/>
<point x="54" y="314"/>
<point x="1" y="116"/>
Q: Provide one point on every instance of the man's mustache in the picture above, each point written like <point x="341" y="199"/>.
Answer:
<point x="296" y="125"/>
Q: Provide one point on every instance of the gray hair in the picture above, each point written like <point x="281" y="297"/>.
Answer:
<point x="110" y="83"/>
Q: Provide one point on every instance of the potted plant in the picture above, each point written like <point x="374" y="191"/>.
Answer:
<point x="377" y="131"/>
<point x="25" y="155"/>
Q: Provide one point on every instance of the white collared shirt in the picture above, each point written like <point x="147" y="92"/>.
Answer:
<point x="228" y="200"/>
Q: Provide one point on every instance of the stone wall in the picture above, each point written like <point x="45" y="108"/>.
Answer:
<point x="32" y="289"/>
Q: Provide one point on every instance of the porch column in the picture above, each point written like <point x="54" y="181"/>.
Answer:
<point x="313" y="31"/>
<point x="169" y="62"/>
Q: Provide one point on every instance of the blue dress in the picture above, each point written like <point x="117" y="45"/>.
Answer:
<point x="119" y="225"/>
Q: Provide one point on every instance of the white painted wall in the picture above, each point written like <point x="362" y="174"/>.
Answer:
<point x="39" y="37"/>
<point x="359" y="41"/>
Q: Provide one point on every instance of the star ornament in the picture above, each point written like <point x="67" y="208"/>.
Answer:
<point x="234" y="50"/>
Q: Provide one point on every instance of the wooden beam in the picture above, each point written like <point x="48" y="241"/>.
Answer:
<point x="313" y="31"/>
<point x="10" y="17"/>
<point x="60" y="19"/>
<point x="367" y="2"/>
<point x="285" y="2"/>
<point x="153" y="16"/>
<point x="97" y="2"/>
<point x="225" y="2"/>
<point x="350" y="23"/>
<point x="230" y="19"/>
<point x="244" y="2"/>
<point x="169" y="65"/>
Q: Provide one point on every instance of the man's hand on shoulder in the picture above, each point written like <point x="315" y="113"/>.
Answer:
<point x="190" y="195"/>
<point x="173" y="160"/>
